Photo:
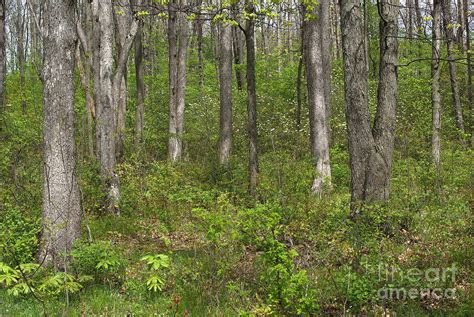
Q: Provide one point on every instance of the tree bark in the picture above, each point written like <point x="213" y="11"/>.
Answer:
<point x="61" y="205"/>
<point x="315" y="58"/>
<point x="3" y="9"/>
<point x="20" y="29"/>
<point x="356" y="89"/>
<point x="225" y="83"/>
<point x="106" y="118"/>
<point x="84" y="76"/>
<point x="448" y="31"/>
<point x="377" y="187"/>
<point x="140" y="85"/>
<point x="370" y="152"/>
<point x="410" y="18"/>
<point x="178" y="44"/>
<point x="299" y="78"/>
<point x="251" y="100"/>
<point x="435" y="75"/>
<point x="96" y="42"/>
<point x="326" y="58"/>
<point x="122" y="19"/>
<point x="468" y="57"/>
<point x="238" y="57"/>
<point x="199" y="30"/>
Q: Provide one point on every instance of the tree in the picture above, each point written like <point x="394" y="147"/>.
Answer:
<point x="468" y="56"/>
<point x="448" y="31"/>
<point x="61" y="204"/>
<point x="109" y="94"/>
<point x="2" y="60"/>
<point x="435" y="94"/>
<point x="315" y="60"/>
<point x="225" y="83"/>
<point x="178" y="45"/>
<point x="20" y="32"/>
<point x="140" y="85"/>
<point x="237" y="52"/>
<point x="249" y="33"/>
<point x="370" y="150"/>
<point x="123" y="20"/>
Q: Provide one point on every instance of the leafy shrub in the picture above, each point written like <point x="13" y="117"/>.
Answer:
<point x="18" y="236"/>
<point x="29" y="278"/>
<point x="156" y="265"/>
<point x="99" y="259"/>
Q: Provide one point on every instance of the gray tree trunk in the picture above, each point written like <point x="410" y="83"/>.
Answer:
<point x="377" y="187"/>
<point x="106" y="118"/>
<point x="110" y="88"/>
<point x="356" y="94"/>
<point x="122" y="18"/>
<point x="435" y="75"/>
<point x="96" y="38"/>
<point x="140" y="99"/>
<point x="468" y="57"/>
<point x="448" y="31"/>
<point x="326" y="58"/>
<point x="237" y="53"/>
<point x="251" y="100"/>
<point x="20" y="33"/>
<point x="2" y="60"/>
<point x="299" y="77"/>
<point x="61" y="205"/>
<point x="315" y="58"/>
<point x="370" y="152"/>
<point x="225" y="82"/>
<point x="178" y="44"/>
<point x="199" y="30"/>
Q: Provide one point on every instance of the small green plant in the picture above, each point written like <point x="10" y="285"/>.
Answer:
<point x="99" y="259"/>
<point x="156" y="264"/>
<point x="18" y="236"/>
<point x="29" y="278"/>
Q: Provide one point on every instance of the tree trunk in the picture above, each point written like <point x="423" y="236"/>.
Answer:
<point x="315" y="58"/>
<point x="199" y="31"/>
<point x="122" y="25"/>
<point x="85" y="83"/>
<point x="96" y="37"/>
<point x="326" y="58"/>
<point x="238" y="58"/>
<point x="20" y="29"/>
<point x="61" y="203"/>
<point x="377" y="187"/>
<point x="448" y="31"/>
<point x="435" y="94"/>
<point x="178" y="43"/>
<point x="299" y="78"/>
<point x="106" y="118"/>
<point x="2" y="60"/>
<point x="460" y="30"/>
<point x="140" y="84"/>
<point x="410" y="18"/>
<point x="370" y="153"/>
<point x="419" y="19"/>
<point x="225" y="83"/>
<point x="468" y="57"/>
<point x="251" y="100"/>
<point x="356" y="89"/>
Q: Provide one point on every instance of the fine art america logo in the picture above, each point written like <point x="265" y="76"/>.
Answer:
<point x="394" y="280"/>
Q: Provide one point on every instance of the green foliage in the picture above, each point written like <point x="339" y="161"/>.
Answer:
<point x="29" y="279"/>
<point x="18" y="236"/>
<point x="99" y="259"/>
<point x="156" y="264"/>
